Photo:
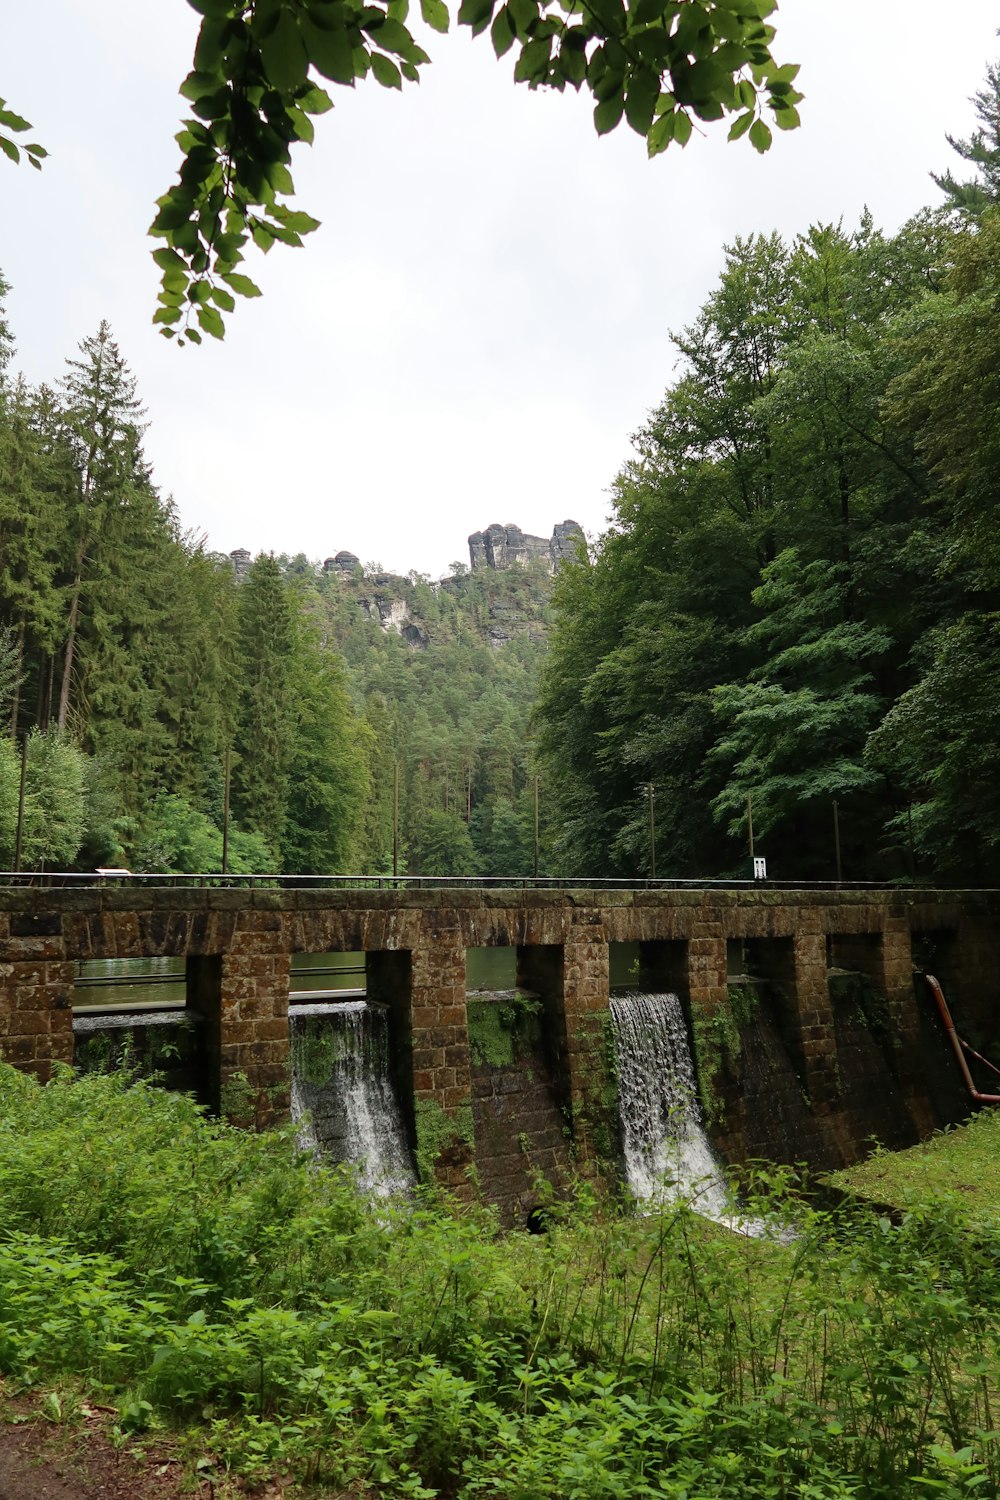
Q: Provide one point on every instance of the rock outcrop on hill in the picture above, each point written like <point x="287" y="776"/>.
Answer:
<point x="503" y="547"/>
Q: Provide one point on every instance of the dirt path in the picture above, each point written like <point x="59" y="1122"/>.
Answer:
<point x="43" y="1460"/>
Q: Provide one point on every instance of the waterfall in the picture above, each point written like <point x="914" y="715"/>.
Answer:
<point x="667" y="1153"/>
<point x="341" y="1084"/>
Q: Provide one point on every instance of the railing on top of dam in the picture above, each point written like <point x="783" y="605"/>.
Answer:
<point x="97" y="879"/>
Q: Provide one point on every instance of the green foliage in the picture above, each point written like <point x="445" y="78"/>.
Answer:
<point x="443" y="846"/>
<point x="15" y="123"/>
<point x="54" y="803"/>
<point x="981" y="151"/>
<point x="177" y="838"/>
<point x="499" y="1026"/>
<point x="189" y="1272"/>
<point x="718" y="1045"/>
<point x="758" y="604"/>
<point x="437" y="1132"/>
<point x="254" y="92"/>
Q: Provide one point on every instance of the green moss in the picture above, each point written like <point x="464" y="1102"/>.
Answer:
<point x="718" y="1045"/>
<point x="598" y="1072"/>
<point x="498" y="1026"/>
<point x="438" y="1132"/>
<point x="850" y="991"/>
<point x="318" y="1049"/>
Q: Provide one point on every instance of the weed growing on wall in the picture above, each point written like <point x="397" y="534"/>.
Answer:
<point x="497" y="1027"/>
<point x="437" y="1132"/>
<point x="190" y="1273"/>
<point x="718" y="1045"/>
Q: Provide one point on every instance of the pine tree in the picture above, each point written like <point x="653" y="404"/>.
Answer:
<point x="981" y="150"/>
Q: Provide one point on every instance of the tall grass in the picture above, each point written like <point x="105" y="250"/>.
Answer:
<point x="196" y="1274"/>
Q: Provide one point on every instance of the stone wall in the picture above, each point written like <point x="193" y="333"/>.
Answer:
<point x="238" y="944"/>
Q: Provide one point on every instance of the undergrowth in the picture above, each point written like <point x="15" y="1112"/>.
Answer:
<point x="194" y="1274"/>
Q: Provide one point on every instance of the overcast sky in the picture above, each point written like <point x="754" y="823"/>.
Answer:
<point x="485" y="314"/>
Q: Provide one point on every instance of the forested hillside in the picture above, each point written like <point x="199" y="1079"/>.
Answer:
<point x="131" y="661"/>
<point x="444" y="677"/>
<point x="795" y="612"/>
<point x="134" y="664"/>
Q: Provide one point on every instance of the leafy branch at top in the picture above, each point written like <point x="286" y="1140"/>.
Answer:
<point x="258" y="80"/>
<point x="14" y="122"/>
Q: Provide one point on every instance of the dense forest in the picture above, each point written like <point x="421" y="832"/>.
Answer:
<point x="135" y="665"/>
<point x="793" y="618"/>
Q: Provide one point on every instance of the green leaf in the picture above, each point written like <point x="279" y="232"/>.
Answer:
<point x="9" y="149"/>
<point x="475" y="13"/>
<point x="533" y="64"/>
<point x="682" y="127"/>
<point x="760" y="136"/>
<point x="173" y="213"/>
<point x="392" y="36"/>
<point x="242" y="285"/>
<point x="211" y="322"/>
<point x="330" y="52"/>
<point x="661" y="134"/>
<point x="741" y="125"/>
<point x="608" y="113"/>
<point x="193" y="335"/>
<point x="168" y="260"/>
<point x="315" y="101"/>
<point x="167" y="315"/>
<point x="210" y="45"/>
<point x="386" y="72"/>
<point x="435" y="13"/>
<point x="14" y="122"/>
<point x="501" y="32"/>
<point x="787" y="119"/>
<point x="279" y="177"/>
<point x="197" y="85"/>
<point x="640" y="101"/>
<point x="298" y="220"/>
<point x="223" y="299"/>
<point x="284" y="54"/>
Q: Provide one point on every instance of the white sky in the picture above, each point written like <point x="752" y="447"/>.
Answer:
<point x="485" y="314"/>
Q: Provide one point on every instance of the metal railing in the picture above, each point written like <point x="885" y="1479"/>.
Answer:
<point x="51" y="879"/>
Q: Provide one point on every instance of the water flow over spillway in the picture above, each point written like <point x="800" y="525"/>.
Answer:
<point x="342" y="1091"/>
<point x="667" y="1153"/>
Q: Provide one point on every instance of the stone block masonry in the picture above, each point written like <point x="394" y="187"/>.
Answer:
<point x="238" y="945"/>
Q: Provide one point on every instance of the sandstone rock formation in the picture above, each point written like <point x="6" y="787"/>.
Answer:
<point x="503" y="547"/>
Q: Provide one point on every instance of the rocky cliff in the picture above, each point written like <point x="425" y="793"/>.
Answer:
<point x="503" y="547"/>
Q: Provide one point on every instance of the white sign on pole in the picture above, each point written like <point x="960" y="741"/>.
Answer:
<point x="759" y="867"/>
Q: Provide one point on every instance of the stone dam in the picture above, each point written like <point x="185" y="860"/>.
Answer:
<point x="812" y="1029"/>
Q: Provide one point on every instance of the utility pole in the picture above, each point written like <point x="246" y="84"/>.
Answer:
<point x="836" y="839"/>
<point x="395" y="819"/>
<point x="750" y="822"/>
<point x="20" y="804"/>
<point x="225" y="811"/>
<point x="651" y="793"/>
<point x="536" y="828"/>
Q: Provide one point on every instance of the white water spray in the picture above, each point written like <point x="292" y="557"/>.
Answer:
<point x="342" y="1091"/>
<point x="668" y="1156"/>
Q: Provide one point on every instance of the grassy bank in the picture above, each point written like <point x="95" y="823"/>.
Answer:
<point x="958" y="1170"/>
<point x="196" y="1276"/>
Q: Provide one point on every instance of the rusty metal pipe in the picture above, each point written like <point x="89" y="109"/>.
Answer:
<point x="958" y="1046"/>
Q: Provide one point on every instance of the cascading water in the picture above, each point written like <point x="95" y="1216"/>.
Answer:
<point x="342" y="1091"/>
<point x="667" y="1153"/>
